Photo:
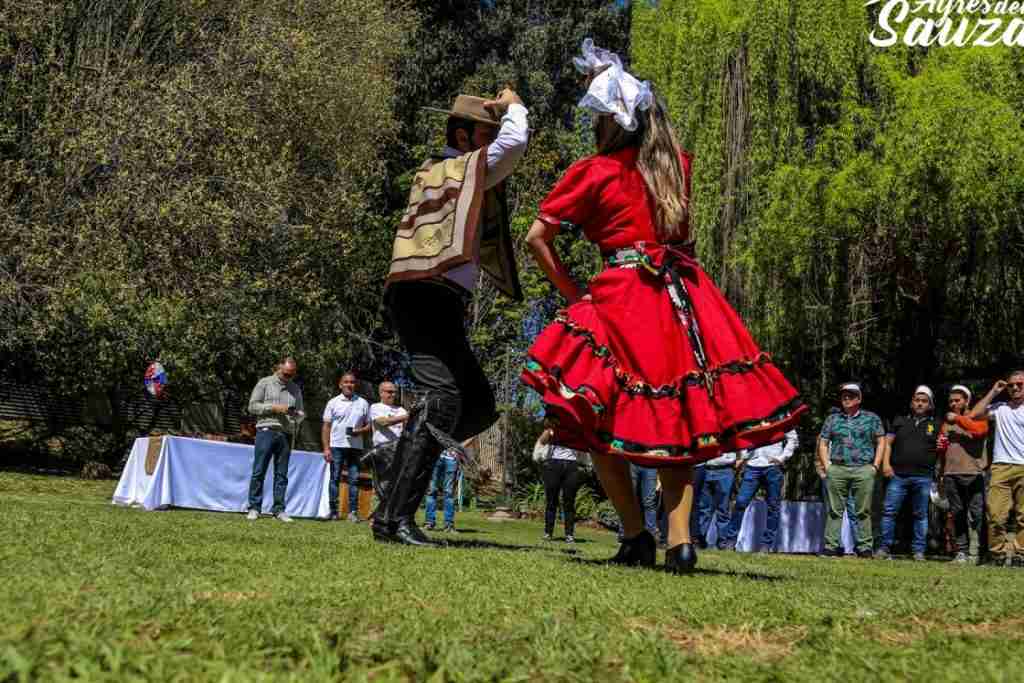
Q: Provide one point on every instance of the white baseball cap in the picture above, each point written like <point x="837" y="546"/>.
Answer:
<point x="923" y="389"/>
<point x="851" y="387"/>
<point x="962" y="388"/>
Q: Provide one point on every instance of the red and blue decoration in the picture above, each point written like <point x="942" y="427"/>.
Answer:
<point x="155" y="379"/>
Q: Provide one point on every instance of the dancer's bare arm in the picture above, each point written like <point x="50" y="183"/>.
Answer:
<point x="540" y="240"/>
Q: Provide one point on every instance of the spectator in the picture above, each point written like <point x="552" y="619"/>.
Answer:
<point x="850" y="450"/>
<point x="716" y="494"/>
<point x="444" y="479"/>
<point x="346" y="419"/>
<point x="763" y="467"/>
<point x="276" y="403"/>
<point x="1006" y="485"/>
<point x="851" y="509"/>
<point x="561" y="474"/>
<point x="964" y="479"/>
<point x="913" y="444"/>
<point x="387" y="417"/>
<point x="645" y="485"/>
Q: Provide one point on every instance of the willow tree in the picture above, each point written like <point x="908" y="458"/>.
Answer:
<point x="861" y="206"/>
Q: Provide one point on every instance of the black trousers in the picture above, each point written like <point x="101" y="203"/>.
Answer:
<point x="966" y="494"/>
<point x="430" y="321"/>
<point x="560" y="476"/>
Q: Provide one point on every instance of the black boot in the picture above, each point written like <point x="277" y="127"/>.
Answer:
<point x="416" y="456"/>
<point x="639" y="551"/>
<point x="681" y="559"/>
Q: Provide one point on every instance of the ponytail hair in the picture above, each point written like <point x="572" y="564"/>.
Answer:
<point x="661" y="166"/>
<point x="659" y="162"/>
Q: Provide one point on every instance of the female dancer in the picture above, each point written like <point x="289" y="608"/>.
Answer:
<point x="652" y="365"/>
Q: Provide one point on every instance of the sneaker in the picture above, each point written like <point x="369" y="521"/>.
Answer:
<point x="569" y="539"/>
<point x="353" y="517"/>
<point x="961" y="558"/>
<point x="919" y="557"/>
<point x="252" y="515"/>
<point x="882" y="554"/>
<point x="284" y="517"/>
<point x="728" y="545"/>
<point x="547" y="537"/>
<point x="1017" y="562"/>
<point x="865" y="554"/>
<point x="831" y="552"/>
<point x="450" y="529"/>
<point x="429" y="526"/>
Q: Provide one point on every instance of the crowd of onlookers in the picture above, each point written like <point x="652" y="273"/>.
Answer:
<point x="967" y="458"/>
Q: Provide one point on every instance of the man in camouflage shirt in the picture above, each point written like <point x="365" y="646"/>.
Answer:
<point x="850" y="450"/>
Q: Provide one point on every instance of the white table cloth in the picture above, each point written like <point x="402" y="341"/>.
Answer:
<point x="801" y="528"/>
<point x="214" y="475"/>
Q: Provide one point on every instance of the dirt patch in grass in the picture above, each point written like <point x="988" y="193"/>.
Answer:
<point x="915" y="629"/>
<point x="745" y="640"/>
<point x="230" y="597"/>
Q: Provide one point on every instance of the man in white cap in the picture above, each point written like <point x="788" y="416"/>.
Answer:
<point x="914" y="443"/>
<point x="964" y="478"/>
<point x="850" y="451"/>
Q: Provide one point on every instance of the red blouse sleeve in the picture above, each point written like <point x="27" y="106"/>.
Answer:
<point x="573" y="197"/>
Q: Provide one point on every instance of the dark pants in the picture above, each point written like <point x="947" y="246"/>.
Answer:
<point x="346" y="459"/>
<point x="645" y="483"/>
<point x="966" y="494"/>
<point x="918" y="488"/>
<point x="771" y="478"/>
<point x="560" y="476"/>
<point x="714" y="504"/>
<point x="430" y="321"/>
<point x="270" y="444"/>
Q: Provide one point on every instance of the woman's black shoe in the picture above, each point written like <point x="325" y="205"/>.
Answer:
<point x="681" y="559"/>
<point x="639" y="551"/>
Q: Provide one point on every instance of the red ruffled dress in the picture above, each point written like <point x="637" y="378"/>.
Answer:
<point x="657" y="367"/>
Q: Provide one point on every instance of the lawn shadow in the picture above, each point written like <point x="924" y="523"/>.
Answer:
<point x="474" y="544"/>
<point x="753" y="576"/>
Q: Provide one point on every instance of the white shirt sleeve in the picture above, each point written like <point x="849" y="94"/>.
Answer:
<point x="792" y="441"/>
<point x="328" y="412"/>
<point x="508" y="148"/>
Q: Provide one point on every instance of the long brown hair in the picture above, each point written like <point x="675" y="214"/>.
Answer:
<point x="659" y="163"/>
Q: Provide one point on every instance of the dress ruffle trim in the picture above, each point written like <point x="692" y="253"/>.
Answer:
<point x="708" y="445"/>
<point x="637" y="387"/>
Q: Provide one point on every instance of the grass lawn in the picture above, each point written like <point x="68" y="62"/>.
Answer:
<point x="96" y="592"/>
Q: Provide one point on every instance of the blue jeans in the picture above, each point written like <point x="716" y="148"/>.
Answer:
<point x="918" y="487"/>
<point x="647" y="479"/>
<point x="347" y="458"/>
<point x="446" y="473"/>
<point x="753" y="478"/>
<point x="714" y="503"/>
<point x="274" y="444"/>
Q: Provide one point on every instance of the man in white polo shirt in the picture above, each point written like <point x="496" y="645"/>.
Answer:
<point x="1006" y="485"/>
<point x="388" y="418"/>
<point x="346" y="419"/>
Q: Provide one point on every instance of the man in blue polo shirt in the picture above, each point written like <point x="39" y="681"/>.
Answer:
<point x="850" y="451"/>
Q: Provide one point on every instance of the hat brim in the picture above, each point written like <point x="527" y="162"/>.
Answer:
<point x="466" y="117"/>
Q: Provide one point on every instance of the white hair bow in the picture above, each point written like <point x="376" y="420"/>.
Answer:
<point x="613" y="90"/>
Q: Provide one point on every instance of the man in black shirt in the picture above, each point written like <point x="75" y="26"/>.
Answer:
<point x="913" y="447"/>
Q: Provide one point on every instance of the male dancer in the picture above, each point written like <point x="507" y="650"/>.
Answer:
<point x="456" y="224"/>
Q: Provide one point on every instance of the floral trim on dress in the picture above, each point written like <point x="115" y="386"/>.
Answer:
<point x="584" y="391"/>
<point x="635" y="387"/>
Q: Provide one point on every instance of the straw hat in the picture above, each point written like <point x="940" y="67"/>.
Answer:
<point x="469" y="108"/>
